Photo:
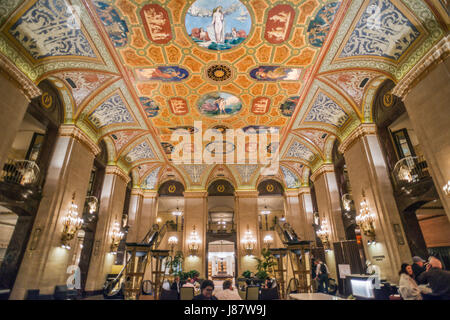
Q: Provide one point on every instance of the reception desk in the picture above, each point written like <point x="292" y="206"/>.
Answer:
<point x="366" y="287"/>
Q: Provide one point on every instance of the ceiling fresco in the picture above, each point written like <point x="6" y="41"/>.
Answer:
<point x="131" y="72"/>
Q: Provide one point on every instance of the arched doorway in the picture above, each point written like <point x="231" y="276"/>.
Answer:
<point x="221" y="231"/>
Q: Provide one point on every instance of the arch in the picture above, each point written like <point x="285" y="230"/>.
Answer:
<point x="270" y="187"/>
<point x="226" y="174"/>
<point x="220" y="187"/>
<point x="171" y="188"/>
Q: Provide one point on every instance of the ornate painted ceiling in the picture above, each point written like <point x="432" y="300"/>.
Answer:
<point x="130" y="72"/>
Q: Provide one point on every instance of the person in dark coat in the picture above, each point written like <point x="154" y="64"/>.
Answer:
<point x="418" y="266"/>
<point x="207" y="289"/>
<point x="437" y="279"/>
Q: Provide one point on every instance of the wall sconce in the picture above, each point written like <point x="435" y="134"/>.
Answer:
<point x="323" y="233"/>
<point x="92" y="204"/>
<point x="193" y="242"/>
<point x="72" y="223"/>
<point x="249" y="242"/>
<point x="173" y="241"/>
<point x="268" y="241"/>
<point x="365" y="219"/>
<point x="446" y="188"/>
<point x="158" y="220"/>
<point x="116" y="236"/>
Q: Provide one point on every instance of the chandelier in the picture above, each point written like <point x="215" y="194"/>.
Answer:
<point x="268" y="240"/>
<point x="249" y="242"/>
<point x="193" y="242"/>
<point x="173" y="241"/>
<point x="116" y="236"/>
<point x="71" y="224"/>
<point x="323" y="232"/>
<point x="365" y="219"/>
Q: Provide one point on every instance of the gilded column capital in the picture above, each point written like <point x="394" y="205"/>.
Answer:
<point x="195" y="194"/>
<point x="118" y="172"/>
<point x="22" y="82"/>
<point x="137" y="192"/>
<point x="362" y="130"/>
<point x="246" y="193"/>
<point x="71" y="130"/>
<point x="304" y="190"/>
<point x="291" y="192"/>
<point x="328" y="167"/>
<point x="150" y="193"/>
<point x="437" y="54"/>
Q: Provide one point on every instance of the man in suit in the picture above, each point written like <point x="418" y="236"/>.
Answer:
<point x="176" y="285"/>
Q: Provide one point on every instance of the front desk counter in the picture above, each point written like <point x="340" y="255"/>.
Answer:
<point x="363" y="287"/>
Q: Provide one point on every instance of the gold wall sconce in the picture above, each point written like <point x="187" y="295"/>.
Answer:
<point x="323" y="233"/>
<point x="193" y="242"/>
<point x="249" y="242"/>
<point x="116" y="237"/>
<point x="365" y="219"/>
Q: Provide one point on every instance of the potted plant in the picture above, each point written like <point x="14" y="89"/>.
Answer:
<point x="265" y="263"/>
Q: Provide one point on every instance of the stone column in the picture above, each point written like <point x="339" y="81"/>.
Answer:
<point x="195" y="214"/>
<point x="134" y="212"/>
<point x="246" y="214"/>
<point x="307" y="211"/>
<point x="328" y="201"/>
<point x="16" y="91"/>
<point x="294" y="215"/>
<point x="112" y="200"/>
<point x="45" y="262"/>
<point x="368" y="173"/>
<point x="425" y="91"/>
<point x="148" y="213"/>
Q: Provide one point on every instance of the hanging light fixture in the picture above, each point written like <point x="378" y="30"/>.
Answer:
<point x="365" y="219"/>
<point x="177" y="213"/>
<point x="116" y="237"/>
<point x="249" y="242"/>
<point x="193" y="242"/>
<point x="265" y="213"/>
<point x="72" y="223"/>
<point x="268" y="240"/>
<point x="323" y="233"/>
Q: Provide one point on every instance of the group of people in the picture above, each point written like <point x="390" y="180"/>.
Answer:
<point x="424" y="279"/>
<point x="228" y="292"/>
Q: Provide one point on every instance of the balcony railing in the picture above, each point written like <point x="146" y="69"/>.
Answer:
<point x="408" y="172"/>
<point x="22" y="172"/>
<point x="225" y="227"/>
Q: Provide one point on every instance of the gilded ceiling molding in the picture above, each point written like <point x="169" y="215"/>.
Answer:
<point x="363" y="129"/>
<point x="150" y="193"/>
<point x="195" y="194"/>
<point x="304" y="190"/>
<point x="22" y="82"/>
<point x="435" y="56"/>
<point x="118" y="172"/>
<point x="323" y="169"/>
<point x="71" y="130"/>
<point x="246" y="193"/>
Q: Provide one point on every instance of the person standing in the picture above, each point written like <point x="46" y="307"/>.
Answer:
<point x="408" y="288"/>
<point x="437" y="279"/>
<point x="322" y="276"/>
<point x="417" y="266"/>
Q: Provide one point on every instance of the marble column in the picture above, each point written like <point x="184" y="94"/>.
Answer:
<point x="148" y="213"/>
<point x="134" y="211"/>
<point x="307" y="211"/>
<point x="112" y="200"/>
<point x="16" y="91"/>
<point x="328" y="201"/>
<point x="246" y="215"/>
<point x="195" y="214"/>
<point x="45" y="262"/>
<point x="425" y="91"/>
<point x="294" y="215"/>
<point x="368" y="174"/>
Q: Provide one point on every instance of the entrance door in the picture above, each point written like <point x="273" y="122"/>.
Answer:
<point x="221" y="260"/>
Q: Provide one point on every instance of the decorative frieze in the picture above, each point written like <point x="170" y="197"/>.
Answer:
<point x="362" y="130"/>
<point x="436" y="55"/>
<point x="70" y="130"/>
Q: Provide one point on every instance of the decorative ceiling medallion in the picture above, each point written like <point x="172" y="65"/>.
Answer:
<point x="172" y="188"/>
<point x="218" y="24"/>
<point x="222" y="147"/>
<point x="221" y="188"/>
<point x="46" y="100"/>
<point x="288" y="107"/>
<point x="219" y="72"/>
<point x="388" y="99"/>
<point x="219" y="105"/>
<point x="270" y="187"/>
<point x="220" y="128"/>
<point x="276" y="73"/>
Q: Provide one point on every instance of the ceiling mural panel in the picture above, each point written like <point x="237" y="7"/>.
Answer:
<point x="136" y="71"/>
<point x="383" y="30"/>
<point x="52" y="28"/>
<point x="151" y="181"/>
